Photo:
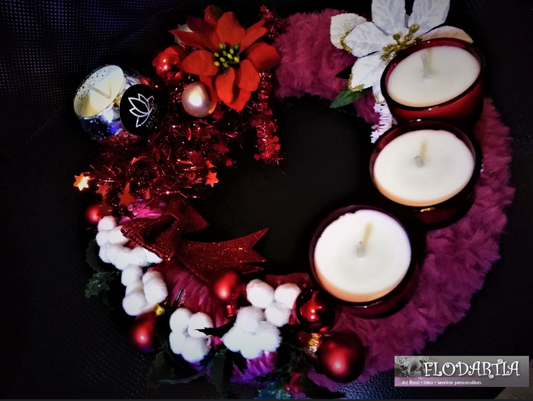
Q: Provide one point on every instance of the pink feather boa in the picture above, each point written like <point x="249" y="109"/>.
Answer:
<point x="458" y="257"/>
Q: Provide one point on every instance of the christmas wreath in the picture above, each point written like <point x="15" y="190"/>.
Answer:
<point x="209" y="308"/>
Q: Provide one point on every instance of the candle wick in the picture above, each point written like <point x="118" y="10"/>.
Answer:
<point x="425" y="63"/>
<point x="361" y="245"/>
<point x="102" y="93"/>
<point x="421" y="158"/>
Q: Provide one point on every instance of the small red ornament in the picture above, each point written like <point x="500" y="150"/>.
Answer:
<point x="228" y="287"/>
<point x="341" y="357"/>
<point x="314" y="311"/>
<point x="293" y="386"/>
<point x="92" y="213"/>
<point x="142" y="333"/>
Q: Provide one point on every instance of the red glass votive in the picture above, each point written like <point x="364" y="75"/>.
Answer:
<point x="395" y="293"/>
<point x="432" y="215"/>
<point x="463" y="109"/>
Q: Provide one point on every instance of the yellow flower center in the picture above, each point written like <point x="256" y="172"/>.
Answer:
<point x="228" y="55"/>
<point x="401" y="43"/>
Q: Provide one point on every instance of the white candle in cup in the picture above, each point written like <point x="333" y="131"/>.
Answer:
<point x="354" y="276"/>
<point x="99" y="90"/>
<point x="448" y="73"/>
<point x="445" y="169"/>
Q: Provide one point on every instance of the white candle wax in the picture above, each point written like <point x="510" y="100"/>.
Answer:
<point x="354" y="277"/>
<point x="98" y="91"/>
<point x="446" y="168"/>
<point x="451" y="71"/>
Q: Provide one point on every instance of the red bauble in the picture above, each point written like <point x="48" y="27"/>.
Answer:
<point x="314" y="311"/>
<point x="142" y="333"/>
<point x="341" y="357"/>
<point x="228" y="287"/>
<point x="92" y="213"/>
<point x="293" y="386"/>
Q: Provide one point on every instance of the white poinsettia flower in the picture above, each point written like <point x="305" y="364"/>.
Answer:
<point x="391" y="30"/>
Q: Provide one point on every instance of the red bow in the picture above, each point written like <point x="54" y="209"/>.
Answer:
<point x="162" y="236"/>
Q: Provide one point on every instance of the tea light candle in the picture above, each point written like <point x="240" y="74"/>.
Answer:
<point x="99" y="90"/>
<point x="423" y="167"/>
<point x="432" y="76"/>
<point x="362" y="256"/>
<point x="116" y="106"/>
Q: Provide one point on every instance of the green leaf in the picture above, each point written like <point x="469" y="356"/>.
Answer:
<point x="218" y="331"/>
<point x="313" y="390"/>
<point x="94" y="260"/>
<point x="100" y="283"/>
<point x="168" y="369"/>
<point x="238" y="360"/>
<point x="347" y="96"/>
<point x="274" y="391"/>
<point x="221" y="369"/>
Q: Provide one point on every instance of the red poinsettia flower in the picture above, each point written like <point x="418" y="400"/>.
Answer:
<point x="228" y="60"/>
<point x="168" y="62"/>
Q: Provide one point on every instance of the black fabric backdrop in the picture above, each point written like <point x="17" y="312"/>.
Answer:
<point x="55" y="343"/>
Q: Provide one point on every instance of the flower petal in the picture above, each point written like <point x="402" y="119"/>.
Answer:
<point x="448" y="32"/>
<point x="224" y="84"/>
<point x="247" y="77"/>
<point x="205" y="31"/>
<point x="208" y="82"/>
<point x="252" y="34"/>
<point x="229" y="30"/>
<point x="389" y="15"/>
<point x="262" y="56"/>
<point x="200" y="62"/>
<point x="240" y="100"/>
<point x="428" y="14"/>
<point x="367" y="70"/>
<point x="342" y="24"/>
<point x="212" y="15"/>
<point x="365" y="38"/>
<point x="189" y="38"/>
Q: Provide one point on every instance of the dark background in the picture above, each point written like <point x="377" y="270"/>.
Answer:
<point x="55" y="343"/>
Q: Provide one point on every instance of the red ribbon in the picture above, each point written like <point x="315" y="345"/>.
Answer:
<point x="162" y="236"/>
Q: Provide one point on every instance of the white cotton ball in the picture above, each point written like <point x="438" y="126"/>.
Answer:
<point x="122" y="259"/>
<point x="137" y="285"/>
<point x="286" y="294"/>
<point x="152" y="257"/>
<point x="177" y="341"/>
<point x="102" y="253"/>
<point x="248" y="318"/>
<point x="197" y="321"/>
<point x="138" y="257"/>
<point x="134" y="303"/>
<point x="194" y="349"/>
<point x="259" y="293"/>
<point x="251" y="347"/>
<point x="268" y="336"/>
<point x="179" y="320"/>
<point x="131" y="274"/>
<point x="116" y="236"/>
<point x="102" y="238"/>
<point x="155" y="291"/>
<point x="152" y="275"/>
<point x="107" y="223"/>
<point x="112" y="252"/>
<point x="277" y="314"/>
<point x="232" y="339"/>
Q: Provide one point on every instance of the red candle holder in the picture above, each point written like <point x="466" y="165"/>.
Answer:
<point x="441" y="214"/>
<point x="463" y="109"/>
<point x="396" y="298"/>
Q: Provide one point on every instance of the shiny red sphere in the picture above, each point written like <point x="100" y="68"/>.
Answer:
<point x="92" y="213"/>
<point x="341" y="357"/>
<point x="142" y="333"/>
<point x="228" y="286"/>
<point x="314" y="311"/>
